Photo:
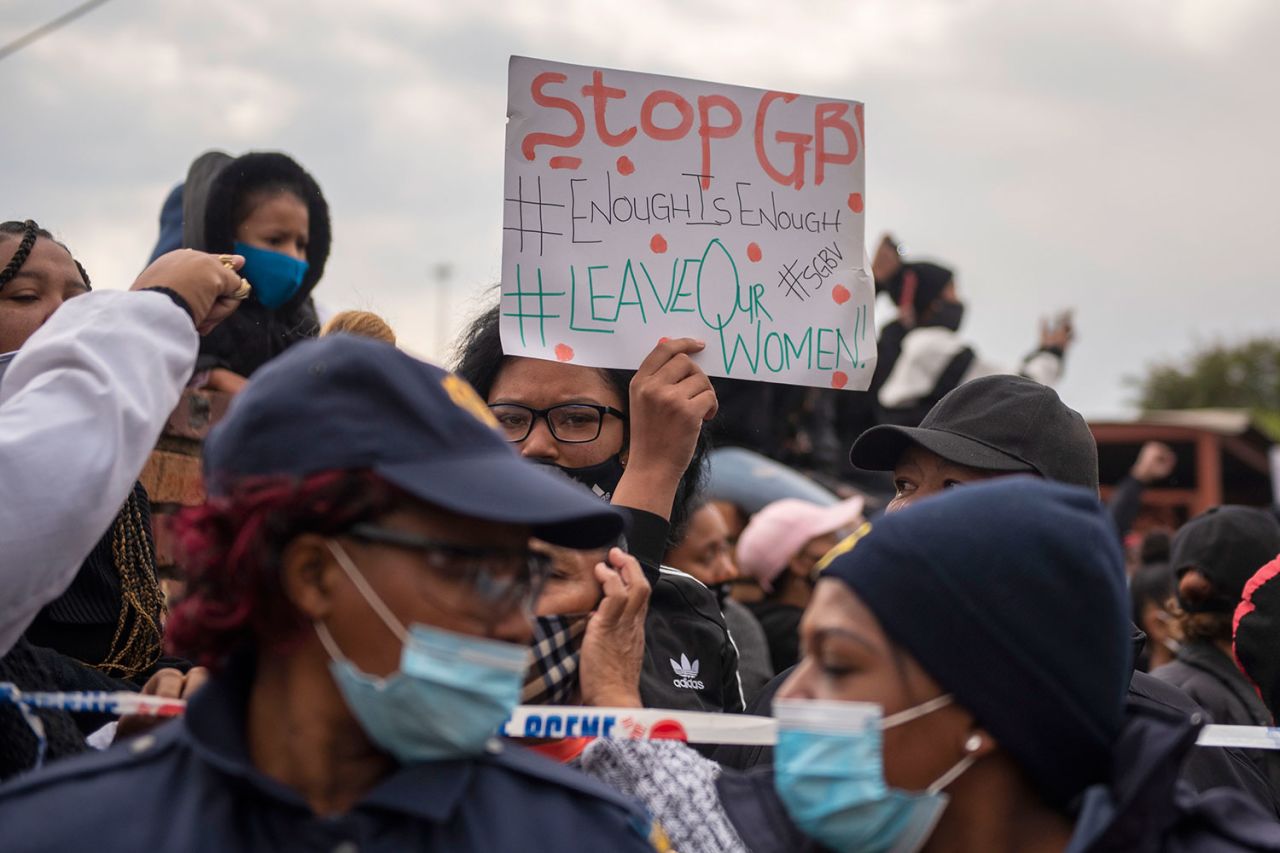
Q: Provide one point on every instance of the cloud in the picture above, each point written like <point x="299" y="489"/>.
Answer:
<point x="1112" y="156"/>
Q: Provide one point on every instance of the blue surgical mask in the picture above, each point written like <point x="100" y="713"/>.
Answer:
<point x="829" y="773"/>
<point x="275" y="277"/>
<point x="450" y="696"/>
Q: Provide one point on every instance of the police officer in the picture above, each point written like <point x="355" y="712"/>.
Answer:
<point x="360" y="584"/>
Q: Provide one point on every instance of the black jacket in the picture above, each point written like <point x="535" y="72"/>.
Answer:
<point x="1145" y="809"/>
<point x="690" y="661"/>
<point x="34" y="668"/>
<point x="254" y="334"/>
<point x="1206" y="674"/>
<point x="781" y="624"/>
<point x="82" y="622"/>
<point x="1211" y="678"/>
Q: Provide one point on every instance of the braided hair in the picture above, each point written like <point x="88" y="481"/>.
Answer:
<point x="136" y="645"/>
<point x="28" y="230"/>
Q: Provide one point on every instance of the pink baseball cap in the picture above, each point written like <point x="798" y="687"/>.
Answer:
<point x="777" y="533"/>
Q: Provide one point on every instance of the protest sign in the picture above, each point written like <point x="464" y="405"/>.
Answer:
<point x="640" y="207"/>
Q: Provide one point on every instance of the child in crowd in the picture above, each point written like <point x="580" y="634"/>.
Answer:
<point x="266" y="207"/>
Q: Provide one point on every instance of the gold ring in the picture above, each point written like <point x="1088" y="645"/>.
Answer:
<point x="227" y="261"/>
<point x="243" y="291"/>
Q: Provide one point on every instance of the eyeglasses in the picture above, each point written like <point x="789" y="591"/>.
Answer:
<point x="502" y="578"/>
<point x="571" y="423"/>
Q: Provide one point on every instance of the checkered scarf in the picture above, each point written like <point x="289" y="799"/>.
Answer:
<point x="557" y="642"/>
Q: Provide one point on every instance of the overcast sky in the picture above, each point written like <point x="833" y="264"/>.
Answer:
<point x="1116" y="157"/>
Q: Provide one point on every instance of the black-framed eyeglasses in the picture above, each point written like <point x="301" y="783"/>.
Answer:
<point x="571" y="423"/>
<point x="503" y="578"/>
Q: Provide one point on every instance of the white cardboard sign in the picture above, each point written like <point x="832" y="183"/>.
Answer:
<point x="640" y="207"/>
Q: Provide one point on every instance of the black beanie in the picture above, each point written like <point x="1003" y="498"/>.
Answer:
<point x="1227" y="545"/>
<point x="1011" y="595"/>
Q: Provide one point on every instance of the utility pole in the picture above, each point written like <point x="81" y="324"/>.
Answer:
<point x="443" y="274"/>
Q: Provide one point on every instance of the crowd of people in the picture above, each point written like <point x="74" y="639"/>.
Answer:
<point x="962" y="647"/>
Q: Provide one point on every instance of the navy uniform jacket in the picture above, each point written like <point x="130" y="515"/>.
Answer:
<point x="190" y="786"/>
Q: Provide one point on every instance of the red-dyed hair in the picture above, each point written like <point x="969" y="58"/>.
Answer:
<point x="231" y="551"/>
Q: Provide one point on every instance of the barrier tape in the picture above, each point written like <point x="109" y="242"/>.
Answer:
<point x="1241" y="737"/>
<point x="117" y="703"/>
<point x="555" y="721"/>
<point x="560" y="721"/>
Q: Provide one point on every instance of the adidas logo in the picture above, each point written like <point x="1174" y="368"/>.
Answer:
<point x="688" y="673"/>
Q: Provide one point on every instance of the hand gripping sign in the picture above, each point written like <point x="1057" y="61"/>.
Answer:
<point x="639" y="207"/>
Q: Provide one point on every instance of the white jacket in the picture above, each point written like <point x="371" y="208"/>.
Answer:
<point x="81" y="407"/>
<point x="929" y="350"/>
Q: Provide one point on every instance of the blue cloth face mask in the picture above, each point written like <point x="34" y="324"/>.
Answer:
<point x="275" y="277"/>
<point x="829" y="772"/>
<point x="450" y="696"/>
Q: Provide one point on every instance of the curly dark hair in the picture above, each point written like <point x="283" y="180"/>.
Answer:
<point x="231" y="549"/>
<point x="478" y="358"/>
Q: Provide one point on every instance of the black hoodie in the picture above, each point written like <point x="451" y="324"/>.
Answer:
<point x="254" y="334"/>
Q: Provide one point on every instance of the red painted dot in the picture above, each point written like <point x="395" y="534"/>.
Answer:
<point x="839" y="379"/>
<point x="855" y="202"/>
<point x="564" y="352"/>
<point x="753" y="253"/>
<point x="668" y="730"/>
<point x="663" y="340"/>
<point x="840" y="294"/>
<point x="658" y="244"/>
<point x="625" y="166"/>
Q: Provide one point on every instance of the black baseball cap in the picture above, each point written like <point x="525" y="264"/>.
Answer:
<point x="996" y="423"/>
<point x="1226" y="544"/>
<point x="348" y="403"/>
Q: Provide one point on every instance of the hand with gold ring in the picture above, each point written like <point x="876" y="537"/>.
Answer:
<point x="210" y="284"/>
<point x="242" y="292"/>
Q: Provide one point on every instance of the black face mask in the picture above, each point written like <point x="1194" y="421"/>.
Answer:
<point x="948" y="315"/>
<point x="602" y="479"/>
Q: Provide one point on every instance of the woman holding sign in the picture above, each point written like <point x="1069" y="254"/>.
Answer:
<point x="636" y="440"/>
